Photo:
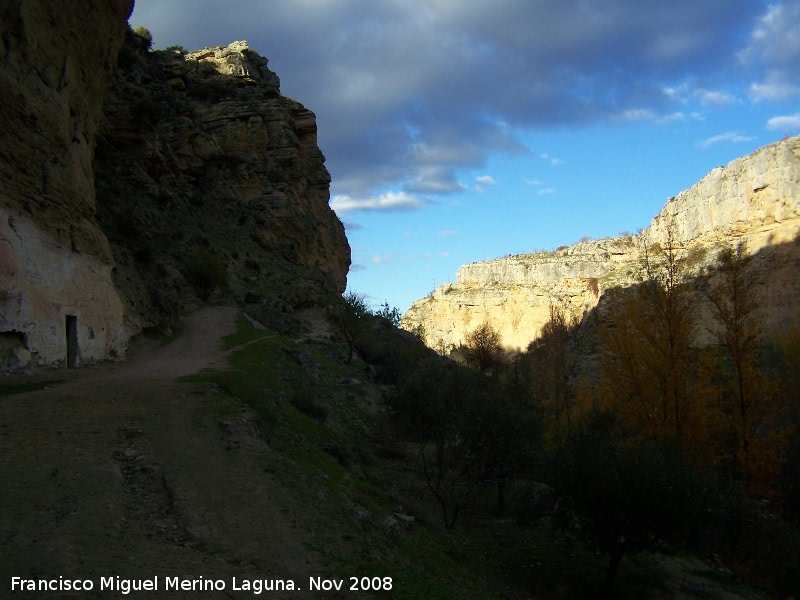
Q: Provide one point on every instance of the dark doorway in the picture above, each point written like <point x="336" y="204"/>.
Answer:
<point x="72" y="341"/>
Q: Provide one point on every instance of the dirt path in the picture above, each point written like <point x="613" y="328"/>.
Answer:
<point x="121" y="470"/>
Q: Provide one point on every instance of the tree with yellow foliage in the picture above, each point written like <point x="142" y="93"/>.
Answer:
<point x="552" y="361"/>
<point x="648" y="364"/>
<point x="748" y="402"/>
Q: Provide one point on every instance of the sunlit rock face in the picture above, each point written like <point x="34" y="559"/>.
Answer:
<point x="755" y="199"/>
<point x="55" y="261"/>
<point x="46" y="284"/>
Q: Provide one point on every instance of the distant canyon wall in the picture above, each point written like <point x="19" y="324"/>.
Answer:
<point x="755" y="199"/>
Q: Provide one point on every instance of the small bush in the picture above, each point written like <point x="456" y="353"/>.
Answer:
<point x="145" y="37"/>
<point x="303" y="400"/>
<point x="696" y="256"/>
<point x="207" y="274"/>
<point x="592" y="286"/>
<point x="390" y="313"/>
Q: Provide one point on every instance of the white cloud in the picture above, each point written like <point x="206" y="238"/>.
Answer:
<point x="776" y="37"/>
<point x="542" y="191"/>
<point x="714" y="98"/>
<point x="774" y="46"/>
<point x="446" y="233"/>
<point x="352" y="225"/>
<point x="676" y="117"/>
<point x="730" y="136"/>
<point x="432" y="178"/>
<point x="680" y="117"/>
<point x="686" y="92"/>
<point x="635" y="115"/>
<point x="390" y="201"/>
<point x="638" y="114"/>
<point x="552" y="160"/>
<point x="484" y="182"/>
<point x="381" y="260"/>
<point x="784" y="123"/>
<point x="774" y="89"/>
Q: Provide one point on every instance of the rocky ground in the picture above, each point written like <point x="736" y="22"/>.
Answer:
<point x="122" y="470"/>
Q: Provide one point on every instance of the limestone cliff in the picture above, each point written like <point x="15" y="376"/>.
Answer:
<point x="755" y="199"/>
<point x="203" y="164"/>
<point x="134" y="184"/>
<point x="55" y="262"/>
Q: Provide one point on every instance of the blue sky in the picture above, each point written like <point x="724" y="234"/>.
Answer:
<point x="465" y="130"/>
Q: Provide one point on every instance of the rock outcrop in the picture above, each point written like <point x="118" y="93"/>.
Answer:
<point x="134" y="184"/>
<point x="755" y="199"/>
<point x="202" y="164"/>
<point x="55" y="261"/>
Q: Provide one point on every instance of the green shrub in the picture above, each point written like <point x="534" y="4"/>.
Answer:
<point x="303" y="400"/>
<point x="390" y="313"/>
<point x="145" y="37"/>
<point x="207" y="274"/>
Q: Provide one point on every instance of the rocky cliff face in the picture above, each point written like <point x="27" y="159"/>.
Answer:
<point x="755" y="199"/>
<point x="55" y="262"/>
<point x="135" y="183"/>
<point x="203" y="165"/>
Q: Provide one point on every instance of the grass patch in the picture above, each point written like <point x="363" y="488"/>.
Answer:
<point x="244" y="334"/>
<point x="321" y="435"/>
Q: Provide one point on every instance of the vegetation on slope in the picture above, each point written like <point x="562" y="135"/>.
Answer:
<point x="458" y="482"/>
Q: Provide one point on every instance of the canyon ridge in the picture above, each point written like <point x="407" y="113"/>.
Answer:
<point x="755" y="200"/>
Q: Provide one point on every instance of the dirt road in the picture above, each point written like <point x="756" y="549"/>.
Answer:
<point x="122" y="471"/>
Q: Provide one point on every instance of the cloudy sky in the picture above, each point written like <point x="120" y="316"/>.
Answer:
<point x="464" y="130"/>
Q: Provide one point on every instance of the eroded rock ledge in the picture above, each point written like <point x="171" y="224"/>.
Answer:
<point x="204" y="160"/>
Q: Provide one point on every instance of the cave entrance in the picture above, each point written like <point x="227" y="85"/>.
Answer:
<point x="72" y="341"/>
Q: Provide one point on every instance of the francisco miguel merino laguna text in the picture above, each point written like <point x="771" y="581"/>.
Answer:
<point x="194" y="584"/>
